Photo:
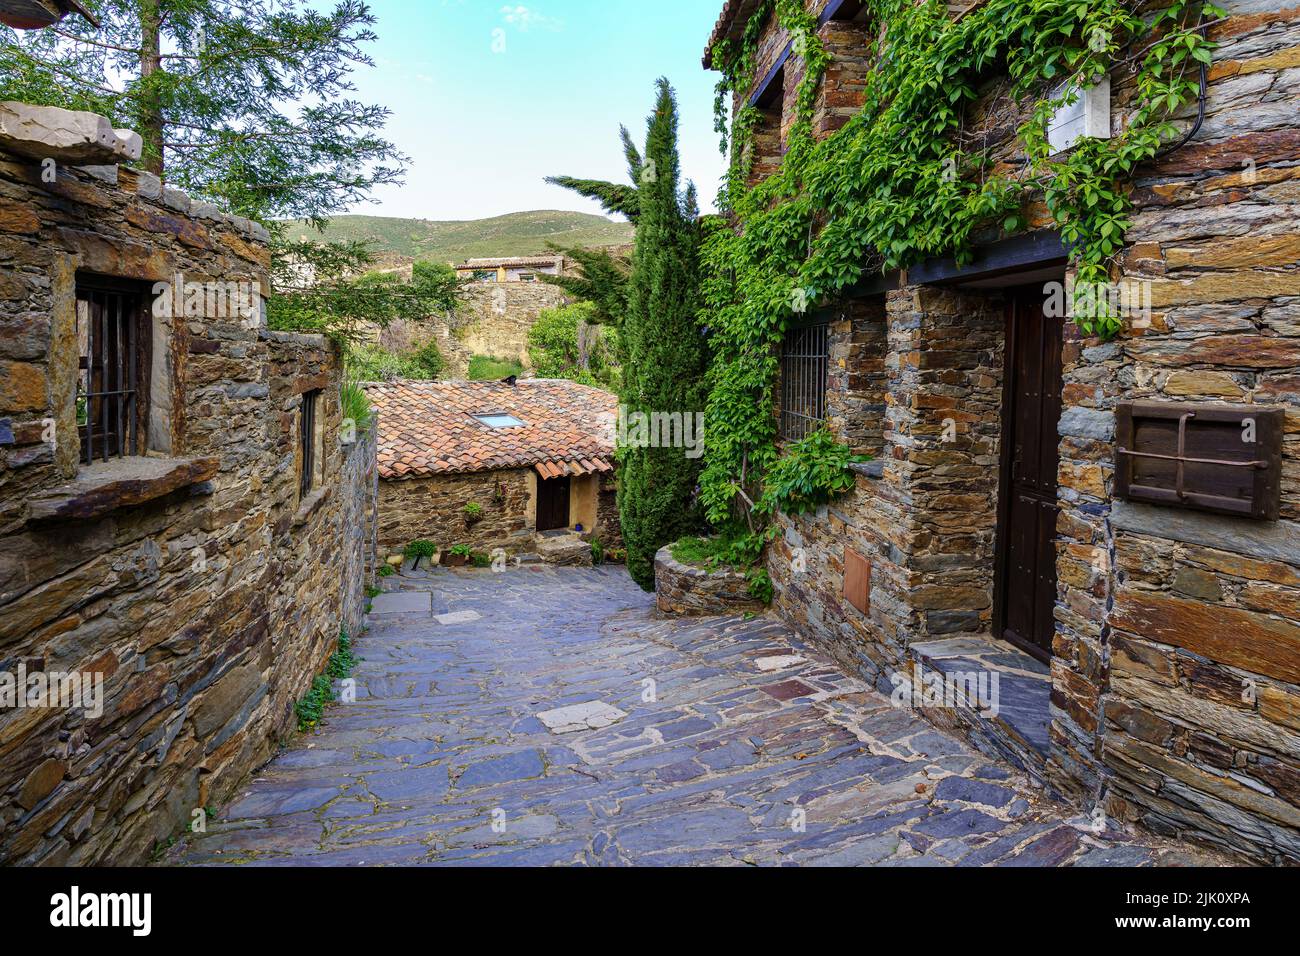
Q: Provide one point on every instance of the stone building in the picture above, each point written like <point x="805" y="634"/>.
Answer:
<point x="184" y="514"/>
<point x="511" y="269"/>
<point x="535" y="457"/>
<point x="1149" y="652"/>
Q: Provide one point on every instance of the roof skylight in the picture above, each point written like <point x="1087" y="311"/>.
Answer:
<point x="500" y="420"/>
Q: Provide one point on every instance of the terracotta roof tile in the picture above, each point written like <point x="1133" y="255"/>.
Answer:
<point x="429" y="428"/>
<point x="512" y="261"/>
<point x="735" y="14"/>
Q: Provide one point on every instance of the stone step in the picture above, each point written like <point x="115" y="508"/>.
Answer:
<point x="1013" y="722"/>
<point x="567" y="550"/>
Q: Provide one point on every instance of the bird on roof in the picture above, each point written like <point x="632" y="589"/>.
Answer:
<point x="35" y="14"/>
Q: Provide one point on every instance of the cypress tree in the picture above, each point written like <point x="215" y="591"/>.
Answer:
<point x="654" y="303"/>
<point x="666" y="354"/>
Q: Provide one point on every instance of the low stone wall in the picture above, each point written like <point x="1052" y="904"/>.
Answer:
<point x="359" y="490"/>
<point x="196" y="585"/>
<point x="683" y="589"/>
<point x="433" y="509"/>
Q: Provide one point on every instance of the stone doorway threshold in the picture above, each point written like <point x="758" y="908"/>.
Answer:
<point x="1018" y="728"/>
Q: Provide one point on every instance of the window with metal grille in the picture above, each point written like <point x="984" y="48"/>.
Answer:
<point x="805" y="360"/>
<point x="113" y="335"/>
<point x="307" y="440"/>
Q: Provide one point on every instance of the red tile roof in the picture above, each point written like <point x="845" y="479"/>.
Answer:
<point x="429" y="428"/>
<point x="512" y="262"/>
<point x="735" y="14"/>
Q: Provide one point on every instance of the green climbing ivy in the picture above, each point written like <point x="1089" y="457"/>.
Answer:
<point x="900" y="182"/>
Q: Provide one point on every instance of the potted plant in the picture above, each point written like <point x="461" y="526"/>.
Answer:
<point x="458" y="556"/>
<point x="473" y="513"/>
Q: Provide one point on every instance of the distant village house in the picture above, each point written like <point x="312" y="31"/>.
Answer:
<point x="525" y="468"/>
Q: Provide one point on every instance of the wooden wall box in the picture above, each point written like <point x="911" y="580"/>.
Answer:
<point x="857" y="580"/>
<point x="1201" y="456"/>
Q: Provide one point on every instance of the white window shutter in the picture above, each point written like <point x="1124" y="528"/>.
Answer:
<point x="1088" y="115"/>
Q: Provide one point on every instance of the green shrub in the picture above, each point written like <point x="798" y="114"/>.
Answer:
<point x="420" y="549"/>
<point x="485" y="368"/>
<point x="386" y="571"/>
<point x="741" y="552"/>
<point x="810" y="473"/>
<point x="462" y="551"/>
<point x="480" y="560"/>
<point x="356" y="403"/>
<point x="597" y="552"/>
<point x="370" y="363"/>
<point x="343" y="660"/>
<point x="759" y="585"/>
<point x="554" y="350"/>
<point x="311" y="709"/>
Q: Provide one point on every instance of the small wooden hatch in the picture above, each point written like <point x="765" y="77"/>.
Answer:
<point x="857" y="580"/>
<point x="1221" y="458"/>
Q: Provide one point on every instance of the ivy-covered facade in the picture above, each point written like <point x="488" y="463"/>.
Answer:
<point x="1035" y="261"/>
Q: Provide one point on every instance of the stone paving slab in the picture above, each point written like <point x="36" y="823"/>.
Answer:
<point x="448" y="757"/>
<point x="592" y="715"/>
<point x="401" y="602"/>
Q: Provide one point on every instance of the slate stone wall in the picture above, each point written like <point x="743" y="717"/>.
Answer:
<point x="910" y="371"/>
<point x="433" y="509"/>
<point x="685" y="590"/>
<point x="497" y="316"/>
<point x="1178" y="644"/>
<point x="206" y="609"/>
<point x="1175" y="672"/>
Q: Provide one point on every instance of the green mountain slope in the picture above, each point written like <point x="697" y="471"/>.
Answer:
<point x="516" y="234"/>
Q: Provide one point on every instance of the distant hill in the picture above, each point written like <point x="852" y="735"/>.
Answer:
<point x="516" y="234"/>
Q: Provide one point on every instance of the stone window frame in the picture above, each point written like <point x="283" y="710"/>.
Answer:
<point x="134" y="376"/>
<point x="311" y="444"/>
<point x="804" y="376"/>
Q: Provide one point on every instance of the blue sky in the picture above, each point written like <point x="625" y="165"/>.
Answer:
<point x="489" y="97"/>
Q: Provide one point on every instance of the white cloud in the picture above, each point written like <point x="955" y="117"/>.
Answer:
<point x="523" y="18"/>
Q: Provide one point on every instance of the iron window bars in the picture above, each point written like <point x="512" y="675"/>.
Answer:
<point x="307" y="440"/>
<point x="805" y="362"/>
<point x="112" y="384"/>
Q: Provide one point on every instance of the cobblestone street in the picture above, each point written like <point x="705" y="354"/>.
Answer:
<point x="719" y="741"/>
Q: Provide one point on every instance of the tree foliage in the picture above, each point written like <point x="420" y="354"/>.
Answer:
<point x="565" y="342"/>
<point x="600" y="280"/>
<point x="900" y="182"/>
<point x="247" y="104"/>
<point x="666" y="353"/>
<point x="652" y="300"/>
<point x="616" y="198"/>
<point x="331" y="288"/>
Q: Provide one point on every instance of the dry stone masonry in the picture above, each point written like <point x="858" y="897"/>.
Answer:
<point x="1174" y="682"/>
<point x="200" y="580"/>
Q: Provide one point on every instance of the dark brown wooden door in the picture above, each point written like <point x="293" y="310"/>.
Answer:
<point x="1027" y="529"/>
<point x="553" y="504"/>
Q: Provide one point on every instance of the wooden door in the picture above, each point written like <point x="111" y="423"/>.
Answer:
<point x="1030" y="456"/>
<point x="553" y="504"/>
